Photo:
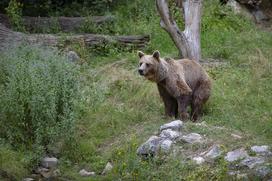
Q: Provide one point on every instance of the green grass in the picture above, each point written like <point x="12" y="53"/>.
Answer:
<point x="120" y="109"/>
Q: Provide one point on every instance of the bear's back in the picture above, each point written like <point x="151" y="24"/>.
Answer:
<point x="193" y="72"/>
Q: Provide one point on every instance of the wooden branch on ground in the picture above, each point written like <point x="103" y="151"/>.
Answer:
<point x="7" y="37"/>
<point x="187" y="41"/>
<point x="65" y="24"/>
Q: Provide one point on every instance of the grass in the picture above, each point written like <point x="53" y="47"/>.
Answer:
<point x="120" y="110"/>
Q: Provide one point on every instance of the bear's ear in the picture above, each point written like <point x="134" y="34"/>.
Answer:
<point x="156" y="55"/>
<point x="140" y="54"/>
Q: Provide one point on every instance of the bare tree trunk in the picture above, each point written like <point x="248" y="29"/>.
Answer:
<point x="7" y="37"/>
<point x="187" y="41"/>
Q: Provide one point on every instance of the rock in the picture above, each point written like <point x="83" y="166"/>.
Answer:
<point x="73" y="56"/>
<point x="56" y="173"/>
<point x="213" y="152"/>
<point x="263" y="171"/>
<point x="236" y="155"/>
<point x="166" y="145"/>
<point x="174" y="125"/>
<point x="192" y="138"/>
<point x="251" y="162"/>
<point x="107" y="168"/>
<point x="259" y="16"/>
<point x="260" y="149"/>
<point x="49" y="162"/>
<point x="199" y="160"/>
<point x="28" y="179"/>
<point x="150" y="147"/>
<point x="85" y="173"/>
<point x="170" y="134"/>
<point x="242" y="176"/>
<point x="41" y="169"/>
<point x="239" y="8"/>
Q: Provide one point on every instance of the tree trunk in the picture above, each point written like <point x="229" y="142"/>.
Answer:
<point x="8" y="37"/>
<point x="187" y="41"/>
<point x="65" y="24"/>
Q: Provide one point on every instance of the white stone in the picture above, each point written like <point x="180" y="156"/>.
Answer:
<point x="166" y="145"/>
<point x="170" y="134"/>
<point x="49" y="162"/>
<point x="174" y="125"/>
<point x="28" y="179"/>
<point x="236" y="136"/>
<point x="85" y="173"/>
<point x="236" y="155"/>
<point x="260" y="149"/>
<point x="192" y="138"/>
<point x="107" y="168"/>
<point x="199" y="160"/>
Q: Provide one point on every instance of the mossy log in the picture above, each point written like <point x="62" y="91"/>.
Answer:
<point x="8" y="37"/>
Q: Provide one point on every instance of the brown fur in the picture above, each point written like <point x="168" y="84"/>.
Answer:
<point x="181" y="83"/>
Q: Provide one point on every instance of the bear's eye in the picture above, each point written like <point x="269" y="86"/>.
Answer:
<point x="147" y="64"/>
<point x="141" y="64"/>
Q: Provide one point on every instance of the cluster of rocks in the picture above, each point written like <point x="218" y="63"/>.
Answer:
<point x="85" y="173"/>
<point x="47" y="169"/>
<point x="240" y="162"/>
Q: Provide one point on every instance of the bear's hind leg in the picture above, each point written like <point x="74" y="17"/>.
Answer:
<point x="200" y="96"/>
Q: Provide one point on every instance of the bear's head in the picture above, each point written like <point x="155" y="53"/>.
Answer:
<point x="148" y="65"/>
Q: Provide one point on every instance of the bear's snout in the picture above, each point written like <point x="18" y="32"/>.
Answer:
<point x="141" y="72"/>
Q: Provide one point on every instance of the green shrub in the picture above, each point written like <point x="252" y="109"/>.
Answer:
<point x="38" y="90"/>
<point x="14" y="12"/>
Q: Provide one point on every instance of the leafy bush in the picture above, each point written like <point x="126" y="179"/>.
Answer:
<point x="14" y="11"/>
<point x="38" y="90"/>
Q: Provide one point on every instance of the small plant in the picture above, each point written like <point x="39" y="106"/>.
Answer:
<point x="14" y="11"/>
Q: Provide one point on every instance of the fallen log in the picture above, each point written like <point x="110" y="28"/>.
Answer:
<point x="9" y="37"/>
<point x="65" y="24"/>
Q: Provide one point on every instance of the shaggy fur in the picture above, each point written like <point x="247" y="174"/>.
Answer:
<point x="181" y="83"/>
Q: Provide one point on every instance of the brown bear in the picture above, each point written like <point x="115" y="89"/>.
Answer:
<point x="180" y="83"/>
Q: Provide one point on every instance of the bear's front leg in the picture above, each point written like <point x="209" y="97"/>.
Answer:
<point x="170" y="103"/>
<point x="183" y="102"/>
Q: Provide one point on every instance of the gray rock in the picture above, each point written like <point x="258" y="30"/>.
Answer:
<point x="260" y="149"/>
<point x="107" y="168"/>
<point x="251" y="162"/>
<point x="170" y="134"/>
<point x="263" y="171"/>
<point x="85" y="173"/>
<point x="213" y="152"/>
<point x="236" y="155"/>
<point x="198" y="160"/>
<point x="192" y="138"/>
<point x="150" y="147"/>
<point x="166" y="145"/>
<point x="56" y="173"/>
<point x="259" y="16"/>
<point x="174" y="125"/>
<point x="239" y="8"/>
<point x="73" y="56"/>
<point x="49" y="162"/>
